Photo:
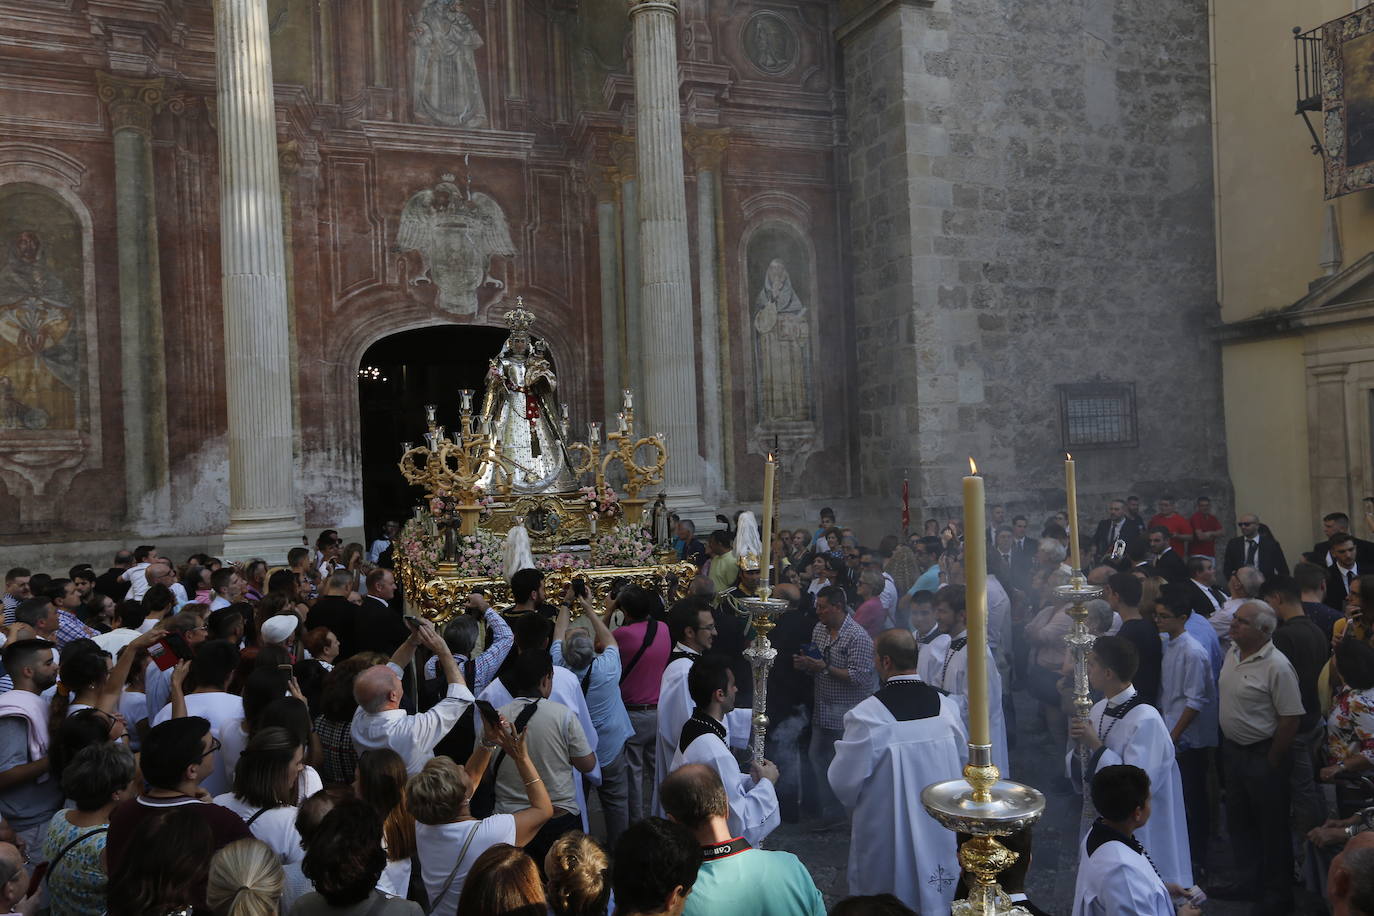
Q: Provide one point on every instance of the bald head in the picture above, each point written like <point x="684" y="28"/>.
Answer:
<point x="14" y="880"/>
<point x="1350" y="882"/>
<point x="377" y="689"/>
<point x="894" y="652"/>
<point x="694" y="796"/>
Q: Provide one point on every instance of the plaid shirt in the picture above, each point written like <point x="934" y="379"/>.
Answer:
<point x="69" y="628"/>
<point x="489" y="662"/>
<point x="851" y="649"/>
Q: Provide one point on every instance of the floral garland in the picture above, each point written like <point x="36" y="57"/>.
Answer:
<point x="558" y="561"/>
<point x="446" y="504"/>
<point x="480" y="555"/>
<point x="421" y="549"/>
<point x="602" y="502"/>
<point x="622" y="545"/>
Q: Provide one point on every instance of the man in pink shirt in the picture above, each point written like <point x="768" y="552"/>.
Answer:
<point x="644" y="649"/>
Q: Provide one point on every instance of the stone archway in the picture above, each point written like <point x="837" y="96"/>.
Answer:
<point x="397" y="376"/>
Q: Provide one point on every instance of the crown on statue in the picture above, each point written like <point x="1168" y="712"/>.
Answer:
<point x="519" y="318"/>
<point x="749" y="562"/>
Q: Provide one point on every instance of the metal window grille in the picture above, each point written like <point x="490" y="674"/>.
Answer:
<point x="1098" y="415"/>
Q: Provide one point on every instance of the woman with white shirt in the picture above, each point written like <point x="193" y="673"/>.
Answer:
<point x="264" y="792"/>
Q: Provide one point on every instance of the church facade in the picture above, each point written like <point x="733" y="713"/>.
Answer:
<point x="917" y="231"/>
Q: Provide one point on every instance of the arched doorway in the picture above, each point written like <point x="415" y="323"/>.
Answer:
<point x="397" y="376"/>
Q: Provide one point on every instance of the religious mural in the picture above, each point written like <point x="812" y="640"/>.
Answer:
<point x="456" y="232"/>
<point x="782" y="328"/>
<point x="446" y="88"/>
<point x="1348" y="102"/>
<point x="40" y="311"/>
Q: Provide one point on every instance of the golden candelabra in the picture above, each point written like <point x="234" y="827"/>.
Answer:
<point x="623" y="446"/>
<point x="451" y="468"/>
<point x="590" y="452"/>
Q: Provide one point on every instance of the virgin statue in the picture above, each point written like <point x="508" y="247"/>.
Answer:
<point x="446" y="87"/>
<point x="784" y="341"/>
<point x="520" y="412"/>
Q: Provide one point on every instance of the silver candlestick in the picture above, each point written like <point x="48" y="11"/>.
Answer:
<point x="1078" y="593"/>
<point x="763" y="614"/>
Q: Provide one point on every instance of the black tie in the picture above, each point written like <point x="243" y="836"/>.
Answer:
<point x="1349" y="577"/>
<point x="1252" y="548"/>
<point x="1116" y="531"/>
<point x="1006" y="558"/>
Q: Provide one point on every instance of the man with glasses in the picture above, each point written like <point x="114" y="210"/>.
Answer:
<point x="1255" y="547"/>
<point x="177" y="757"/>
<point x="1260" y="709"/>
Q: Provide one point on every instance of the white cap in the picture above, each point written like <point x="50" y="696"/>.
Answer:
<point x="278" y="629"/>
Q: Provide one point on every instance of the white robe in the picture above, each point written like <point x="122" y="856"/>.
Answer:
<point x="1140" y="739"/>
<point x="880" y="767"/>
<point x="753" y="805"/>
<point x="953" y="679"/>
<point x="675" y="707"/>
<point x="567" y="689"/>
<point x="930" y="657"/>
<point x="1118" y="881"/>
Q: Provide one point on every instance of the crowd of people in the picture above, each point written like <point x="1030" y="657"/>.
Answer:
<point x="202" y="737"/>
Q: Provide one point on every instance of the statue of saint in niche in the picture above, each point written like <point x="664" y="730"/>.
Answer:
<point x="520" y="412"/>
<point x="39" y="371"/>
<point x="784" y="345"/>
<point x="446" y="87"/>
<point x="456" y="234"/>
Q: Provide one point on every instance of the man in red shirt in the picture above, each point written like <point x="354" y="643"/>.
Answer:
<point x="1206" y="529"/>
<point x="1178" y="525"/>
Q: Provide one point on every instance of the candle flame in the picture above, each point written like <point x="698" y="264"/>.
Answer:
<point x="770" y="456"/>
<point x="972" y="466"/>
<point x="1068" y="457"/>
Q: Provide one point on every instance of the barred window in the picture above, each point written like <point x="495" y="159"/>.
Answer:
<point x="1097" y="414"/>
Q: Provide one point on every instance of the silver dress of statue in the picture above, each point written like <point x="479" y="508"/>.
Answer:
<point x="520" y="412"/>
<point x="456" y="234"/>
<point x="784" y="345"/>
<point x="446" y="87"/>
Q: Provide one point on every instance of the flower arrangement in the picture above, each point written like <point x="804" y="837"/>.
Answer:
<point x="622" y="545"/>
<point x="480" y="555"/>
<point x="556" y="561"/>
<point x="603" y="501"/>
<point x="446" y="504"/>
<point x="421" y="549"/>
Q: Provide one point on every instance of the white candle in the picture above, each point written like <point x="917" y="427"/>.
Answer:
<point x="1071" y="487"/>
<point x="769" y="468"/>
<point x="976" y="606"/>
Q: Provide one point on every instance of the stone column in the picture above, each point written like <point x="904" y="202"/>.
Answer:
<point x="132" y="103"/>
<point x="605" y="187"/>
<point x="668" y="357"/>
<point x="631" y="364"/>
<point x="263" y="511"/>
<point x="707" y="147"/>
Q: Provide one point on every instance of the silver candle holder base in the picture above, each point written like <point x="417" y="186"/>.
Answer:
<point x="763" y="614"/>
<point x="986" y="806"/>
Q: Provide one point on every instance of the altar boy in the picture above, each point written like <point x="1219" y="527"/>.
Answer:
<point x="898" y="741"/>
<point x="1115" y="872"/>
<point x="946" y="667"/>
<point x="753" y="801"/>
<point x="1124" y="729"/>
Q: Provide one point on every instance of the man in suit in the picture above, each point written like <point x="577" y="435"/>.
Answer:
<point x="379" y="625"/>
<point x="1254" y="548"/>
<point x="1346" y="568"/>
<point x="1334" y="523"/>
<point x="1204" y="597"/>
<point x="1167" y="562"/>
<point x="1117" y="526"/>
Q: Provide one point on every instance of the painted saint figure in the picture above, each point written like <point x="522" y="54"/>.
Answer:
<point x="39" y="374"/>
<point x="456" y="234"/>
<point x="784" y="343"/>
<point x="447" y="90"/>
<point x="520" y="412"/>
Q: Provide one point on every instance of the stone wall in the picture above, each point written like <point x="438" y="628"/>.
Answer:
<point x="1031" y="206"/>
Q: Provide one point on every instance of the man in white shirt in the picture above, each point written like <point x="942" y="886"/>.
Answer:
<point x="1115" y="874"/>
<point x="227" y="586"/>
<point x="1188" y="705"/>
<point x="389" y="532"/>
<point x="380" y="721"/>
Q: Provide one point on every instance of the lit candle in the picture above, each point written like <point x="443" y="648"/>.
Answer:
<point x="565" y="412"/>
<point x="594" y="432"/>
<point x="466" y="397"/>
<point x="976" y="603"/>
<point x="620" y="422"/>
<point x="1071" y="486"/>
<point x="406" y="446"/>
<point x="769" y="467"/>
<point x="429" y="414"/>
<point x="629" y="399"/>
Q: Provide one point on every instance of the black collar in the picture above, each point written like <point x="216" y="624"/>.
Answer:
<point x="725" y="850"/>
<point x="683" y="653"/>
<point x="958" y="644"/>
<point x="697" y="725"/>
<point x="1119" y="711"/>
<point x="1101" y="834"/>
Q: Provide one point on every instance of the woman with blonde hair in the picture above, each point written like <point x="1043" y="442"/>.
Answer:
<point x="246" y="879"/>
<point x="579" y="876"/>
